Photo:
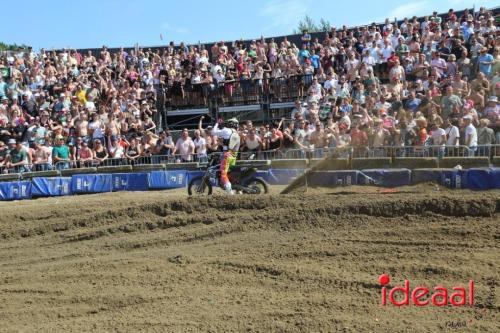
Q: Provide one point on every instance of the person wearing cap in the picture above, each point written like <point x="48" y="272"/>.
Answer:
<point x="62" y="103"/>
<point x="492" y="110"/>
<point x="468" y="28"/>
<point x="60" y="154"/>
<point x="17" y="158"/>
<point x="485" y="137"/>
<point x="470" y="139"/>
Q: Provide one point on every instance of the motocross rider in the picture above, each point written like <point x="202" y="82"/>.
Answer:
<point x="230" y="146"/>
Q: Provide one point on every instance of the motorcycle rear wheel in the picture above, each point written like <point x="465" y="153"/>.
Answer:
<point x="258" y="186"/>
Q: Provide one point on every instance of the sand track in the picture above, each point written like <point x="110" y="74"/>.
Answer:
<point x="306" y="262"/>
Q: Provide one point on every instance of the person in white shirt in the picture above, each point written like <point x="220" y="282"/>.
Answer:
<point x="216" y="68"/>
<point x="387" y="50"/>
<point x="376" y="53"/>
<point x="470" y="135"/>
<point x="330" y="82"/>
<point x="298" y="109"/>
<point x="96" y="128"/>
<point x="452" y="133"/>
<point x="219" y="77"/>
<point x="438" y="137"/>
<point x="200" y="146"/>
<point x="368" y="58"/>
<point x="316" y="89"/>
<point x="184" y="147"/>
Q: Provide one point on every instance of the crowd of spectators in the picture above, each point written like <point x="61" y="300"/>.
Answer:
<point x="433" y="82"/>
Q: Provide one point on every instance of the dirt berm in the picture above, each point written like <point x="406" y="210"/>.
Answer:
<point x="303" y="262"/>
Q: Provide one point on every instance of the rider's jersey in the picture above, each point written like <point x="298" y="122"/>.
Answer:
<point x="234" y="141"/>
<point x="230" y="138"/>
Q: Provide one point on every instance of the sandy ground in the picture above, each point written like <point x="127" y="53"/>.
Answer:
<point x="304" y="262"/>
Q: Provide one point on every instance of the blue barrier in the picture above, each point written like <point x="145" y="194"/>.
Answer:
<point x="15" y="190"/>
<point x="167" y="179"/>
<point x="476" y="179"/>
<point x="130" y="181"/>
<point x="194" y="174"/>
<point x="333" y="178"/>
<point x="454" y="178"/>
<point x="495" y="178"/>
<point x="483" y="178"/>
<point x="50" y="186"/>
<point x="385" y="177"/>
<point x="425" y="175"/>
<point x="90" y="183"/>
<point x="281" y="176"/>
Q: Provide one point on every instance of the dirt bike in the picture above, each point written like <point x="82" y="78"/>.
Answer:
<point x="242" y="178"/>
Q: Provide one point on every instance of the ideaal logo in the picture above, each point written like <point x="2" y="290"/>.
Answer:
<point x="441" y="296"/>
<point x="419" y="296"/>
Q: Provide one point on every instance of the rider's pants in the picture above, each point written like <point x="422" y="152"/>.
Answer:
<point x="228" y="160"/>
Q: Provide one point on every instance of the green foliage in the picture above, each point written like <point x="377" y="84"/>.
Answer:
<point x="12" y="47"/>
<point x="307" y="23"/>
<point x="324" y="25"/>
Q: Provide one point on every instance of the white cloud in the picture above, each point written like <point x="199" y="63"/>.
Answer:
<point x="283" y="14"/>
<point x="410" y="9"/>
<point x="165" y="26"/>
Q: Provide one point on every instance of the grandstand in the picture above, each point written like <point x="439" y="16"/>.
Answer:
<point x="420" y="92"/>
<point x="260" y="105"/>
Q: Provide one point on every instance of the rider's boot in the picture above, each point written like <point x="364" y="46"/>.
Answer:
<point x="228" y="189"/>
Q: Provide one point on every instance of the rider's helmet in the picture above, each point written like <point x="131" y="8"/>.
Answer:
<point x="232" y="123"/>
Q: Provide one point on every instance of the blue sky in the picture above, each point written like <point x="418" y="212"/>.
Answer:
<point x="93" y="23"/>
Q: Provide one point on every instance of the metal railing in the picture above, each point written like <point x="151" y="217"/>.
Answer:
<point x="277" y="154"/>
<point x="238" y="92"/>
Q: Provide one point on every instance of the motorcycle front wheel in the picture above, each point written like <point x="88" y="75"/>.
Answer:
<point x="199" y="186"/>
<point x="257" y="186"/>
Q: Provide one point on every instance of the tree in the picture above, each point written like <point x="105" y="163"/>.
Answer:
<point x="12" y="47"/>
<point x="307" y="23"/>
<point x="324" y="25"/>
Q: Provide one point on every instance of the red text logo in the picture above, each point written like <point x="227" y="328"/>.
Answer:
<point x="423" y="296"/>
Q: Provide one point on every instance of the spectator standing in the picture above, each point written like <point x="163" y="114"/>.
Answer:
<point x="85" y="155"/>
<point x="470" y="139"/>
<point x="200" y="146"/>
<point x="452" y="132"/>
<point x="485" y="61"/>
<point x="41" y="158"/>
<point x="100" y="154"/>
<point x="184" y="147"/>
<point x="485" y="137"/>
<point x="60" y="154"/>
<point x="450" y="103"/>
<point x="17" y="158"/>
